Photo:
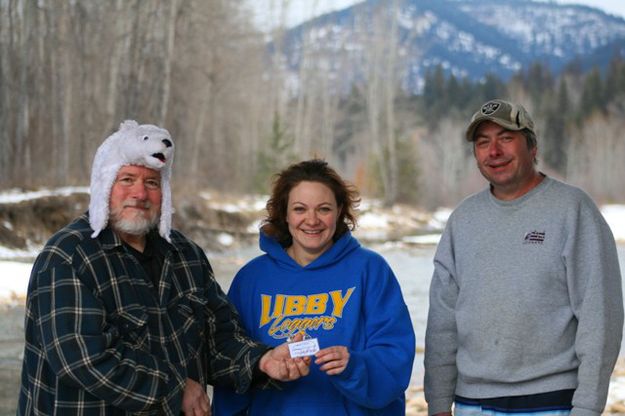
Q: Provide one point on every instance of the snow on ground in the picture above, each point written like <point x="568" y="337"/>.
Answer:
<point x="617" y="389"/>
<point x="14" y="280"/>
<point x="369" y="220"/>
<point x="18" y="195"/>
<point x="10" y="253"/>
<point x="615" y="217"/>
<point x="234" y="204"/>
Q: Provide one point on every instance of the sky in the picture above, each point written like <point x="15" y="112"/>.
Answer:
<point x="301" y="10"/>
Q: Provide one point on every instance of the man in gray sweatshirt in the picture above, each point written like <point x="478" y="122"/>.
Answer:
<point x="526" y="309"/>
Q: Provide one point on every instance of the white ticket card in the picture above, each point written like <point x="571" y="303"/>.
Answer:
<point x="304" y="348"/>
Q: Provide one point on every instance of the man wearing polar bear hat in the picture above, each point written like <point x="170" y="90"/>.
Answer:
<point x="123" y="314"/>
<point x="133" y="145"/>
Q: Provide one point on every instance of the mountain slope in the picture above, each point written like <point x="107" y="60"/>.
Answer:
<point x="468" y="38"/>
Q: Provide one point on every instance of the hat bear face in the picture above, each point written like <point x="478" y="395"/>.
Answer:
<point x="145" y="145"/>
<point x="133" y="144"/>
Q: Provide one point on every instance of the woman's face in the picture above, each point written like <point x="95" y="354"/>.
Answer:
<point x="311" y="215"/>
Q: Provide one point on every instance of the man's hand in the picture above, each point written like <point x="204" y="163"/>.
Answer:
<point x="332" y="360"/>
<point x="195" y="400"/>
<point x="278" y="364"/>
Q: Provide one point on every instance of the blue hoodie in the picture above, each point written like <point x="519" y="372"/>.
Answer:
<point x="348" y="296"/>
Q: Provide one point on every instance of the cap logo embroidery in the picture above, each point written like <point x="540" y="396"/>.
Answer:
<point x="490" y="107"/>
<point x="534" y="237"/>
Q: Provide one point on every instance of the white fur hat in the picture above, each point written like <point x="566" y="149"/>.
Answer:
<point x="133" y="144"/>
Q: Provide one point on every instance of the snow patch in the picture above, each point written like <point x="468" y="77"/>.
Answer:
<point x="615" y="217"/>
<point x="14" y="280"/>
<point x="13" y="196"/>
<point x="225" y="239"/>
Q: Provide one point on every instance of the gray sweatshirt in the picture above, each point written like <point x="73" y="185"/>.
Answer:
<point x="525" y="299"/>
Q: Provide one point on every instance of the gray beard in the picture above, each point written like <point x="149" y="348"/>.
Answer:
<point x="139" y="225"/>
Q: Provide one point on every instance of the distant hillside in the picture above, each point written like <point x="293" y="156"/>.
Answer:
<point x="469" y="38"/>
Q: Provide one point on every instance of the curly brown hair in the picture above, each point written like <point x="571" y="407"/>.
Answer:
<point x="314" y="170"/>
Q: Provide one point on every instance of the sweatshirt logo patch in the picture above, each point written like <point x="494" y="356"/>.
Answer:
<point x="288" y="315"/>
<point x="534" y="237"/>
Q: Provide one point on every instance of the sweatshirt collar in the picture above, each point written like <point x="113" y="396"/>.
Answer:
<point x="341" y="247"/>
<point x="544" y="184"/>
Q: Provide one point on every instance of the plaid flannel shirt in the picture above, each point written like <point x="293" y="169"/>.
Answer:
<point x="102" y="340"/>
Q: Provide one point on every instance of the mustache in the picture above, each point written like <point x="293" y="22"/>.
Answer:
<point x="497" y="161"/>
<point x="137" y="204"/>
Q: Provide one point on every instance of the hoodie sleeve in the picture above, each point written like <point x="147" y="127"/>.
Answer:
<point x="594" y="283"/>
<point x="380" y="373"/>
<point x="441" y="340"/>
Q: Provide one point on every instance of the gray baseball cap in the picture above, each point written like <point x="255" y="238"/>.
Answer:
<point x="508" y="115"/>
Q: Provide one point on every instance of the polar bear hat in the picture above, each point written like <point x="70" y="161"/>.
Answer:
<point x="133" y="144"/>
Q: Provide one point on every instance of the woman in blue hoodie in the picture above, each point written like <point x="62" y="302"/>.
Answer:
<point x="315" y="279"/>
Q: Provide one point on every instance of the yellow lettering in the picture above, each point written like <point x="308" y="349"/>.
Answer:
<point x="316" y="304"/>
<point x="340" y="301"/>
<point x="265" y="301"/>
<point x="294" y="305"/>
<point x="276" y="310"/>
<point x="276" y="328"/>
<point x="285" y="327"/>
<point x="265" y="314"/>
<point x="328" y="322"/>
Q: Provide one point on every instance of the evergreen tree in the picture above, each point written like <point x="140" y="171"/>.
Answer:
<point x="277" y="155"/>
<point x="467" y="95"/>
<point x="615" y="79"/>
<point x="353" y="116"/>
<point x="408" y="191"/>
<point x="592" y="94"/>
<point x="434" y="94"/>
<point x="555" y="136"/>
<point x="492" y="87"/>
<point x="538" y="82"/>
<point x="452" y="92"/>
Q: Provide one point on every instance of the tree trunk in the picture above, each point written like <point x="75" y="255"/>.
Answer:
<point x="168" y="60"/>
